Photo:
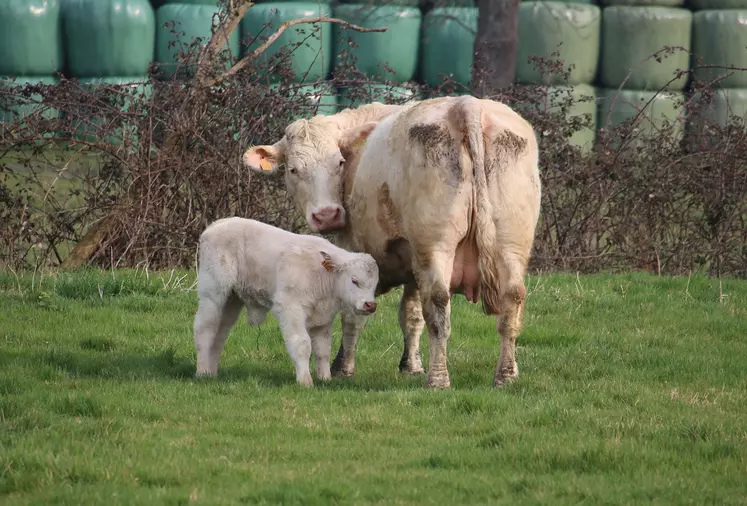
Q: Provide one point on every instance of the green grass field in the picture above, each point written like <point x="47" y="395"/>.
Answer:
<point x="632" y="390"/>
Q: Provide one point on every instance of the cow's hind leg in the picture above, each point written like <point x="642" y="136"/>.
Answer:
<point x="434" y="276"/>
<point x="509" y="321"/>
<point x="352" y="326"/>
<point x="212" y="324"/>
<point x="412" y="324"/>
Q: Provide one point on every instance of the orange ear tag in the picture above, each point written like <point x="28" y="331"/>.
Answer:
<point x="327" y="265"/>
<point x="265" y="165"/>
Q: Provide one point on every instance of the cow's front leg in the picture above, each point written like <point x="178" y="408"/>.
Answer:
<point x="352" y="325"/>
<point x="412" y="323"/>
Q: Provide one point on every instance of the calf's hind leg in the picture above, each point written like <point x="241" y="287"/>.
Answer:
<point x="213" y="322"/>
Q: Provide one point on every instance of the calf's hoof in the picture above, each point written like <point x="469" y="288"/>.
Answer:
<point x="305" y="381"/>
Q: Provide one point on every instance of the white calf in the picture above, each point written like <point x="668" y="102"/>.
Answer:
<point x="302" y="279"/>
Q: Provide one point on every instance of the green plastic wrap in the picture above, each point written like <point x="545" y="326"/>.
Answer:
<point x="29" y="105"/>
<point x="30" y="37"/>
<point x="194" y="21"/>
<point x="724" y="104"/>
<point x="311" y="60"/>
<point x="398" y="46"/>
<point x="87" y="129"/>
<point x="645" y="3"/>
<point x="392" y="3"/>
<point x="544" y="25"/>
<point x="720" y="38"/>
<point x="584" y="102"/>
<point x="318" y="98"/>
<point x="632" y="34"/>
<point x="108" y="37"/>
<point x="698" y="5"/>
<point x="617" y="107"/>
<point x="20" y="109"/>
<point x="447" y="44"/>
<point x="376" y="92"/>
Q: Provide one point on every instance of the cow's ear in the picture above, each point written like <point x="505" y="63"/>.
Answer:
<point x="327" y="262"/>
<point x="355" y="137"/>
<point x="266" y="159"/>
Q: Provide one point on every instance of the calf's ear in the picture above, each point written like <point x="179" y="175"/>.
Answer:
<point x="267" y="159"/>
<point x="327" y="262"/>
<point x="355" y="137"/>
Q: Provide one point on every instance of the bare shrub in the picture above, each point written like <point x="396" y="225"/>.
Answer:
<point x="137" y="185"/>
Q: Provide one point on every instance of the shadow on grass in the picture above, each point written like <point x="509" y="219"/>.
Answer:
<point x="100" y="359"/>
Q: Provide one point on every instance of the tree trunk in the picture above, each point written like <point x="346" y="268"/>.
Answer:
<point x="496" y="43"/>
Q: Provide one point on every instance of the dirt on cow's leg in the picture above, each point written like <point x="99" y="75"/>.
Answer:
<point x="412" y="324"/>
<point x="344" y="363"/>
<point x="509" y="325"/>
<point x="433" y="281"/>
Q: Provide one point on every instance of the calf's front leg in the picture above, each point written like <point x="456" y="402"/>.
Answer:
<point x="292" y="322"/>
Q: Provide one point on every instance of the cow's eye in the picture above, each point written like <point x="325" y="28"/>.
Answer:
<point x="342" y="162"/>
<point x="355" y="282"/>
<point x="293" y="171"/>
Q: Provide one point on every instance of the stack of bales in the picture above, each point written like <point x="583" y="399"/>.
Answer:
<point x="398" y="46"/>
<point x="108" y="42"/>
<point x="306" y="48"/>
<point x="543" y="26"/>
<point x="31" y="50"/>
<point x="634" y="82"/>
<point x="719" y="39"/>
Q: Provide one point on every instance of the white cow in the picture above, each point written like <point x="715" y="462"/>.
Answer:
<point x="443" y="193"/>
<point x="303" y="280"/>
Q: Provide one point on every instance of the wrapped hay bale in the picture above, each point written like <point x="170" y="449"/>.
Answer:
<point x="632" y="34"/>
<point x="196" y="22"/>
<point x="398" y="46"/>
<point x="651" y="109"/>
<point x="90" y="127"/>
<point x="545" y="25"/>
<point x="720" y="38"/>
<point x="30" y="37"/>
<point x="309" y="61"/>
<point x="376" y="92"/>
<point x="447" y="44"/>
<point x="108" y="37"/>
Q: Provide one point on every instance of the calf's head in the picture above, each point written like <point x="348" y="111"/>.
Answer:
<point x="356" y="279"/>
<point x="311" y="156"/>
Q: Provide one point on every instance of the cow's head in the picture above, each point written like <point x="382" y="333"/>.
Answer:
<point x="311" y="156"/>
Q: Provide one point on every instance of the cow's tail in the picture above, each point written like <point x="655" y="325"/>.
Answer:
<point x="484" y="227"/>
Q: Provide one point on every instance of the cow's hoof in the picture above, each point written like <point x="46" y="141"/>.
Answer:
<point x="342" y="373"/>
<point x="504" y="376"/>
<point x="439" y="383"/>
<point x="502" y="380"/>
<point x="415" y="369"/>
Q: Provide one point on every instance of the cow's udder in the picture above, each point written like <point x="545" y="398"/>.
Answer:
<point x="465" y="277"/>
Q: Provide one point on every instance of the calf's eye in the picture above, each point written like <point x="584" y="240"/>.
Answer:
<point x="355" y="282"/>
